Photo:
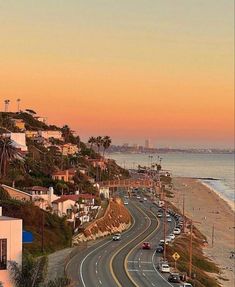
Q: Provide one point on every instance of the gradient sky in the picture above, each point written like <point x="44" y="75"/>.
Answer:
<point x="132" y="69"/>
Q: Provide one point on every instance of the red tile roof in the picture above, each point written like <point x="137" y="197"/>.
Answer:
<point x="74" y="197"/>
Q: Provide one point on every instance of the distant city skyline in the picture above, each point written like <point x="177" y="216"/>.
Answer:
<point x="157" y="69"/>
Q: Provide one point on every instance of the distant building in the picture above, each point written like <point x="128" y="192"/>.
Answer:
<point x="50" y="134"/>
<point x="18" y="140"/>
<point x="126" y="145"/>
<point x="65" y="175"/>
<point x="19" y="123"/>
<point x="10" y="246"/>
<point x="147" y="144"/>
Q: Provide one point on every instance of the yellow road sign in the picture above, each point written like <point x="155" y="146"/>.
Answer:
<point x="176" y="256"/>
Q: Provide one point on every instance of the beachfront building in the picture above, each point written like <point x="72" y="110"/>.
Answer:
<point x="10" y="246"/>
<point x="64" y="175"/>
<point x="50" y="134"/>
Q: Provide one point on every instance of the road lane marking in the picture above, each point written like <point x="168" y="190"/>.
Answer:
<point x="84" y="259"/>
<point x="125" y="261"/>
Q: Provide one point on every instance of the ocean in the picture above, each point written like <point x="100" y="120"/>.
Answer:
<point x="215" y="170"/>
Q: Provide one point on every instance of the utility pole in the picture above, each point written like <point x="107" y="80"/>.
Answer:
<point x="190" y="249"/>
<point x="183" y="213"/>
<point x="164" y="233"/>
<point x="42" y="242"/>
<point x="213" y="235"/>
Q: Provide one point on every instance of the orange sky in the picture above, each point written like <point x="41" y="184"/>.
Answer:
<point x="159" y="71"/>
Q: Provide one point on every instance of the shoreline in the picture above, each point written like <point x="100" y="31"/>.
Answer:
<point x="206" y="207"/>
<point x="229" y="202"/>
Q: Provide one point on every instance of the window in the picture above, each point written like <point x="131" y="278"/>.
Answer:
<point x="3" y="254"/>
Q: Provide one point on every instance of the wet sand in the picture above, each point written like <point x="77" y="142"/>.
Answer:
<point x="202" y="204"/>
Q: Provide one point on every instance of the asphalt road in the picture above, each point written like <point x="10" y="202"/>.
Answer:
<point x="122" y="263"/>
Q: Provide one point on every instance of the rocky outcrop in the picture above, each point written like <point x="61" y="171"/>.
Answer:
<point x="116" y="219"/>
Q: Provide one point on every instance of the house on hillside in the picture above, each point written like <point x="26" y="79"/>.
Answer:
<point x="65" y="175"/>
<point x="10" y="246"/>
<point x="40" y="119"/>
<point x="51" y="134"/>
<point x="76" y="206"/>
<point x="41" y="196"/>
<point x="31" y="134"/>
<point x="69" y="149"/>
<point x="18" y="140"/>
<point x="19" y="123"/>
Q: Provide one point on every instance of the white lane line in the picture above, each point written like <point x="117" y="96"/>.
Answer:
<point x="142" y="262"/>
<point x="81" y="266"/>
<point x="158" y="271"/>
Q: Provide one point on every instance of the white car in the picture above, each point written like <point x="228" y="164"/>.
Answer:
<point x="165" y="268"/>
<point x="138" y="197"/>
<point x="145" y="198"/>
<point x="162" y="241"/>
<point x="125" y="202"/>
<point x="167" y="215"/>
<point x="172" y="236"/>
<point x="169" y="219"/>
<point x="186" y="285"/>
<point x="176" y="231"/>
<point x="168" y="239"/>
<point x="116" y="236"/>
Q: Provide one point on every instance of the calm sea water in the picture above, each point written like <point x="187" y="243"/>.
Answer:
<point x="217" y="166"/>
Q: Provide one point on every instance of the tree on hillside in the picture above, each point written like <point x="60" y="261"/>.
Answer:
<point x="92" y="141"/>
<point x="99" y="142"/>
<point x="32" y="273"/>
<point x="106" y="143"/>
<point x="4" y="195"/>
<point x="7" y="153"/>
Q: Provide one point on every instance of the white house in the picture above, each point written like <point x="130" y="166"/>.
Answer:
<point x="18" y="140"/>
<point x="50" y="134"/>
<point x="10" y="246"/>
<point x="104" y="191"/>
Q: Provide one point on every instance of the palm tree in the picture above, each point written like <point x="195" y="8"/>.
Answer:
<point x="92" y="141"/>
<point x="7" y="153"/>
<point x="106" y="143"/>
<point x="99" y="142"/>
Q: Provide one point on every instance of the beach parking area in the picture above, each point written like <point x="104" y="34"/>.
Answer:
<point x="204" y="205"/>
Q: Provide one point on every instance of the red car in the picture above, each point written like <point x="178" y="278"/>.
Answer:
<point x="146" y="245"/>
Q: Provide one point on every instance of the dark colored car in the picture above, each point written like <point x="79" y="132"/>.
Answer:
<point x="146" y="245"/>
<point x="174" y="278"/>
<point x="160" y="249"/>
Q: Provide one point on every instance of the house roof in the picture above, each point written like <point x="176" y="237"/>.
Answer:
<point x="71" y="171"/>
<point x="38" y="188"/>
<point x="73" y="197"/>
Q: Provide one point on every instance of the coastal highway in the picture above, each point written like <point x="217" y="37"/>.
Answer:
<point x="122" y="263"/>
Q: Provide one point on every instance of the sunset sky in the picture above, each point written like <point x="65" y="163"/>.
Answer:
<point x="131" y="69"/>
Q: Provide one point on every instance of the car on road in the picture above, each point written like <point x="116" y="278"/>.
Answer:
<point x="169" y="219"/>
<point x="116" y="237"/>
<point x="125" y="202"/>
<point x="165" y="268"/>
<point x="160" y="249"/>
<point x="138" y="197"/>
<point x="146" y="245"/>
<point x="145" y="198"/>
<point x="174" y="278"/>
<point x="161" y="242"/>
<point x="176" y="231"/>
<point x="172" y="236"/>
<point x="159" y="214"/>
<point x="186" y="285"/>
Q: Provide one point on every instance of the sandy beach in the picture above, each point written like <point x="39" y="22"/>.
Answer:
<point x="205" y="206"/>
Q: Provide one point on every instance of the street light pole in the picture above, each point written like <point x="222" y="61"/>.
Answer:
<point x="190" y="249"/>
